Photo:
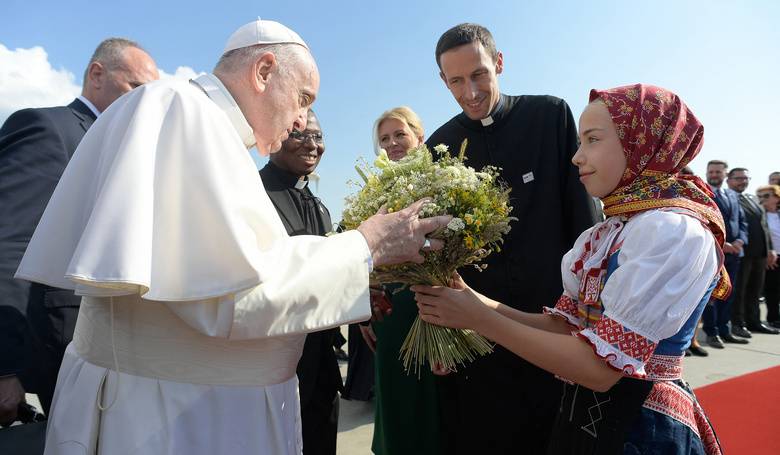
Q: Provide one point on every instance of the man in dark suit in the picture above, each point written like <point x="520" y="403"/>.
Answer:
<point x="37" y="321"/>
<point x="746" y="312"/>
<point x="286" y="179"/>
<point x="717" y="314"/>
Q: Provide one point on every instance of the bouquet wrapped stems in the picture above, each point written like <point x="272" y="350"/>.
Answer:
<point x="440" y="346"/>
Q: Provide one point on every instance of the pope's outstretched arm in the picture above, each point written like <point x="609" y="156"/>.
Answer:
<point x="315" y="282"/>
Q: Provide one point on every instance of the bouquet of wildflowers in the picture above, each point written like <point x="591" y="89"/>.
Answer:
<point x="480" y="208"/>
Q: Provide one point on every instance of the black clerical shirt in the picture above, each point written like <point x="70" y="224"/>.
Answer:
<point x="302" y="213"/>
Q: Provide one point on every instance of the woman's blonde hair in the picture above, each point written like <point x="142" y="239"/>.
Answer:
<point x="771" y="188"/>
<point x="403" y="114"/>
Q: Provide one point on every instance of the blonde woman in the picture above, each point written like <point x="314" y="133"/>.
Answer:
<point x="407" y="409"/>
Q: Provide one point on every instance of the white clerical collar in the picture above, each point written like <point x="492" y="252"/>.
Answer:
<point x="487" y="121"/>
<point x="301" y="183"/>
<point x="89" y="104"/>
<point x="217" y="92"/>
<point x="314" y="178"/>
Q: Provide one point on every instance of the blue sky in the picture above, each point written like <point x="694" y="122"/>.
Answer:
<point x="722" y="57"/>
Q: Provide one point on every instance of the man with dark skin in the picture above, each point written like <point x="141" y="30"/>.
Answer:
<point x="286" y="179"/>
<point x="500" y="403"/>
<point x="745" y="315"/>
<point x="37" y="321"/>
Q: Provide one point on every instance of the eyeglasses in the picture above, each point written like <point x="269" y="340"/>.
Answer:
<point x="764" y="196"/>
<point x="739" y="178"/>
<point x="303" y="137"/>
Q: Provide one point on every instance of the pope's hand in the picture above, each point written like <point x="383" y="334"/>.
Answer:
<point x="395" y="238"/>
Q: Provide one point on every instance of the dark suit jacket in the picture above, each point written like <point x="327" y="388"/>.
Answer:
<point x="35" y="147"/>
<point x="318" y="369"/>
<point x="733" y="216"/>
<point x="759" y="241"/>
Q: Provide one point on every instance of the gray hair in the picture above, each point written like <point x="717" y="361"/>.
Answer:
<point x="109" y="53"/>
<point x="234" y="60"/>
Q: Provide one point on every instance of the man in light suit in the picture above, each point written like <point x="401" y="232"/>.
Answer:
<point x="717" y="314"/>
<point x="286" y="181"/>
<point x="37" y="321"/>
<point x="751" y="274"/>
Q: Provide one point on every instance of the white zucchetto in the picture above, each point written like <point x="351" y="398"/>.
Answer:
<point x="262" y="32"/>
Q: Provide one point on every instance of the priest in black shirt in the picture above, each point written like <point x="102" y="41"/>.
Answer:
<point x="286" y="179"/>
<point x="500" y="404"/>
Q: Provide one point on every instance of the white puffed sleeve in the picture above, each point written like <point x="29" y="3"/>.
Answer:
<point x="666" y="263"/>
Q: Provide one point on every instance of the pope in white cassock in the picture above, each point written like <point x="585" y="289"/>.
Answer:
<point x="195" y="301"/>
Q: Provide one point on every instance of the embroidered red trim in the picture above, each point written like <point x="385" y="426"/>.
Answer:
<point x="672" y="400"/>
<point x="664" y="367"/>
<point x="567" y="305"/>
<point x="706" y="432"/>
<point x="624" y="340"/>
<point x="610" y="359"/>
<point x="669" y="399"/>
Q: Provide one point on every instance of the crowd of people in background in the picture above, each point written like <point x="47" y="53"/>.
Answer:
<point x="752" y="243"/>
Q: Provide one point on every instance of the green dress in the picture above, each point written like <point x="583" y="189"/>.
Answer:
<point x="406" y="417"/>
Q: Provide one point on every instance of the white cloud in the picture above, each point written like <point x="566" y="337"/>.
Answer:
<point x="182" y="72"/>
<point x="27" y="79"/>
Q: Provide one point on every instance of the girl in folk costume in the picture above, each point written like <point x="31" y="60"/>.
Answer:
<point x="635" y="286"/>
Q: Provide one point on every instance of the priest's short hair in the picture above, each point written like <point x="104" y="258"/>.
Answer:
<point x="463" y="34"/>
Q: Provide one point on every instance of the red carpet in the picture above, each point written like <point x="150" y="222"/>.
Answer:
<point x="745" y="412"/>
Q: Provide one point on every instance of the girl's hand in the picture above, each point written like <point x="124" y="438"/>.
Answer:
<point x="456" y="308"/>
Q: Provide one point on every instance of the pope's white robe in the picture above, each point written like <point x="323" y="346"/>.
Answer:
<point x="192" y="289"/>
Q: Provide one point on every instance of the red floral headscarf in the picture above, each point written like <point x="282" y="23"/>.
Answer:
<point x="660" y="136"/>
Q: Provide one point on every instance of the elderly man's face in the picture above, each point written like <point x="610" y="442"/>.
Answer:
<point x="301" y="153"/>
<point x="774" y="178"/>
<point x="287" y="100"/>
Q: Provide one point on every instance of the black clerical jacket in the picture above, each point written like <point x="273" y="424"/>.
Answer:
<point x="304" y="214"/>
